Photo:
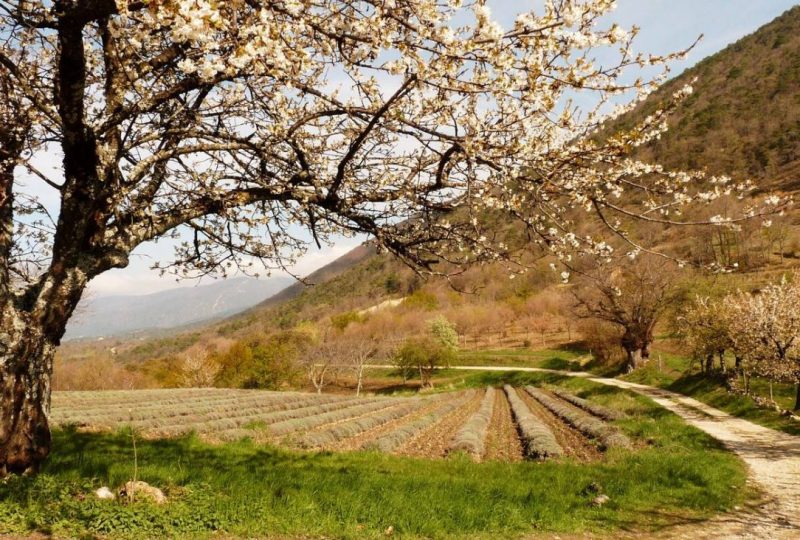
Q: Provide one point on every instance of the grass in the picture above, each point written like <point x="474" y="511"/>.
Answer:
<point x="566" y="359"/>
<point x="243" y="489"/>
<point x="677" y="374"/>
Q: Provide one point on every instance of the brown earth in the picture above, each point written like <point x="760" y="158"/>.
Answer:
<point x="358" y="441"/>
<point x="434" y="441"/>
<point x="502" y="439"/>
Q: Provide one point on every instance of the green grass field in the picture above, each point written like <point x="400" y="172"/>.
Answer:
<point x="566" y="359"/>
<point x="679" y="474"/>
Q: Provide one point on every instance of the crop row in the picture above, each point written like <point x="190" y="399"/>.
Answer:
<point x="193" y="411"/>
<point x="172" y="407"/>
<point x="598" y="410"/>
<point x="537" y="439"/>
<point x="358" y="425"/>
<point x="471" y="438"/>
<point x="583" y="422"/>
<point x="132" y="397"/>
<point x="397" y="437"/>
<point x="336" y="415"/>
<point x="309" y="409"/>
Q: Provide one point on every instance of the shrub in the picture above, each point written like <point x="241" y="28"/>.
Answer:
<point x="343" y="320"/>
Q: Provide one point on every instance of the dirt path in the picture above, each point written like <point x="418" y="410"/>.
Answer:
<point x="502" y="439"/>
<point x="773" y="458"/>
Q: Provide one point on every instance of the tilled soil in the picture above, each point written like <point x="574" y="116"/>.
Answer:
<point x="358" y="441"/>
<point x="574" y="443"/>
<point x="434" y="441"/>
<point x="502" y="439"/>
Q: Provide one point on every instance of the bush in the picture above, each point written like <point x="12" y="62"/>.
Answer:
<point x="341" y="321"/>
<point x="422" y="356"/>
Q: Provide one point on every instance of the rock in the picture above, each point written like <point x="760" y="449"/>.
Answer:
<point x="105" y="493"/>
<point x="600" y="500"/>
<point x="389" y="531"/>
<point x="133" y="490"/>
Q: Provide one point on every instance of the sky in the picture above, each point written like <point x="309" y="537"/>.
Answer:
<point x="666" y="26"/>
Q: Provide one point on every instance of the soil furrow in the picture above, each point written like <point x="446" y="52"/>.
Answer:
<point x="358" y="441"/>
<point x="434" y="441"/>
<point x="574" y="443"/>
<point x="502" y="440"/>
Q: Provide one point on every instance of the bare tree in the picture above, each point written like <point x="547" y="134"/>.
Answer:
<point x="633" y="298"/>
<point x="321" y="360"/>
<point x="217" y="123"/>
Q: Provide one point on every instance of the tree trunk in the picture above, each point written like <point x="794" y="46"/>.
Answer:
<point x="360" y="380"/>
<point x="26" y="366"/>
<point x="634" y="359"/>
<point x="797" y="399"/>
<point x="708" y="366"/>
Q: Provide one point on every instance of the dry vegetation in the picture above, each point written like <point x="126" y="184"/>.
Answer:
<point x="431" y="425"/>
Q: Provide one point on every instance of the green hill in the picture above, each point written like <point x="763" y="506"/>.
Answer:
<point x="743" y="118"/>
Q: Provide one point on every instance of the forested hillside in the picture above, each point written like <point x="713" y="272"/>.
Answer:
<point x="743" y="118"/>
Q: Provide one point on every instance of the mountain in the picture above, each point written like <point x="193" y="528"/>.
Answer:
<point x="118" y="315"/>
<point x="326" y="273"/>
<point x="743" y="118"/>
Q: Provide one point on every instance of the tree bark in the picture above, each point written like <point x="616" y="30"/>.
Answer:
<point x="360" y="377"/>
<point x="31" y="329"/>
<point x="26" y="367"/>
<point x="634" y="360"/>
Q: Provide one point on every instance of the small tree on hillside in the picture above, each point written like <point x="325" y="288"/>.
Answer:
<point x="198" y="369"/>
<point x="445" y="334"/>
<point x="423" y="355"/>
<point x="706" y="323"/>
<point x="322" y="360"/>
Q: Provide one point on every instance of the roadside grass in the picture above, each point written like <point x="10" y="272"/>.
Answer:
<point x="679" y="375"/>
<point x="678" y="475"/>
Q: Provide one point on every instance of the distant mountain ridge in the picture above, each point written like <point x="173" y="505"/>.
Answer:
<point x="120" y="315"/>
<point x="322" y="275"/>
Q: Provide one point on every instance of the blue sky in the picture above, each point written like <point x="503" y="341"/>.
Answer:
<point x="666" y="26"/>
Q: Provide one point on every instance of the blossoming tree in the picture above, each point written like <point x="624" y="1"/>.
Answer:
<point x="236" y="124"/>
<point x="765" y="330"/>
